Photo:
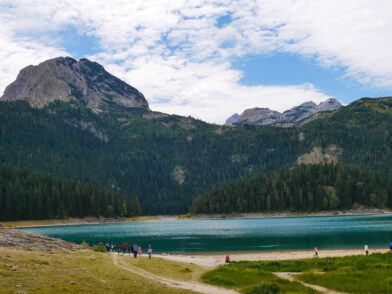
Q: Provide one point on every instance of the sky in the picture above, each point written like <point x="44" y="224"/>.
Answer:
<point x="210" y="59"/>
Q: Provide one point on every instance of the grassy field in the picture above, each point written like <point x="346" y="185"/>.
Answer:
<point x="171" y="269"/>
<point x="353" y="274"/>
<point x="246" y="278"/>
<point x="82" y="271"/>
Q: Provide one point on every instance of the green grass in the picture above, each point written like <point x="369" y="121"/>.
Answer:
<point x="167" y="268"/>
<point x="252" y="280"/>
<point x="82" y="271"/>
<point x="354" y="274"/>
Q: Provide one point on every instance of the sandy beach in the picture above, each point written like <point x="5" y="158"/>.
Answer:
<point x="215" y="259"/>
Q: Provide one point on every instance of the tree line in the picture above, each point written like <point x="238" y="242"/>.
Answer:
<point x="302" y="188"/>
<point x="26" y="195"/>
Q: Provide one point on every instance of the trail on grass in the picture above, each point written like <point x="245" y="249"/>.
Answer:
<point x="193" y="286"/>
<point x="289" y="277"/>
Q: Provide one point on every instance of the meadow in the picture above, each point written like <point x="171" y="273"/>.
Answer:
<point x="351" y="274"/>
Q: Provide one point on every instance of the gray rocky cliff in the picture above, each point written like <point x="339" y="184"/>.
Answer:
<point x="66" y="79"/>
<point x="232" y="119"/>
<point x="295" y="115"/>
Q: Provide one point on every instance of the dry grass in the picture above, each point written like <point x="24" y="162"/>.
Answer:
<point x="171" y="269"/>
<point x="82" y="271"/>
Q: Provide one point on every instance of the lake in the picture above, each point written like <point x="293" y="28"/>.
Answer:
<point x="236" y="234"/>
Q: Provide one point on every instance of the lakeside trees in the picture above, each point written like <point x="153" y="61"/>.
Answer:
<point x="25" y="195"/>
<point x="302" y="188"/>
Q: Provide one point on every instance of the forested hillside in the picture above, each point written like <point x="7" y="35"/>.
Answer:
<point x="165" y="161"/>
<point x="302" y="188"/>
<point x="24" y="195"/>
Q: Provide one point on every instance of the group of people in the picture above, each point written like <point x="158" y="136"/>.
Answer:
<point x="132" y="249"/>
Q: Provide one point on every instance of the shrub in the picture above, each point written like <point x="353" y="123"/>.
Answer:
<point x="99" y="248"/>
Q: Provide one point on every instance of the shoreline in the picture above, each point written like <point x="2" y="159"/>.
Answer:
<point x="98" y="221"/>
<point x="212" y="260"/>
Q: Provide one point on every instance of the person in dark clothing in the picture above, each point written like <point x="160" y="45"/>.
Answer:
<point x="135" y="248"/>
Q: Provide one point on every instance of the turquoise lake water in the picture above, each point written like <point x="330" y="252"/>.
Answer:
<point x="236" y="234"/>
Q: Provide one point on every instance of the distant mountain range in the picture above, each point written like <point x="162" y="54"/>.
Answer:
<point x="265" y="116"/>
<point x="76" y="122"/>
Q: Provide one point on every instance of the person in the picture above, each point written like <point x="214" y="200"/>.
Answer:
<point x="227" y="259"/>
<point x="107" y="247"/>
<point x="149" y="251"/>
<point x="111" y="247"/>
<point x="118" y="249"/>
<point x="135" y="251"/>
<point x="139" y="250"/>
<point x="123" y="247"/>
<point x="390" y="246"/>
<point x="315" y="251"/>
<point x="366" y="249"/>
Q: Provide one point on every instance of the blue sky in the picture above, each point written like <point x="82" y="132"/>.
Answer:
<point x="210" y="59"/>
<point x="290" y="69"/>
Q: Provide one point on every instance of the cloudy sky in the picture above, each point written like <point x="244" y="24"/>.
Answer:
<point x="210" y="59"/>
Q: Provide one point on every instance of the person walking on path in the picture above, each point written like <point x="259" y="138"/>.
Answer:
<point x="139" y="250"/>
<point x="315" y="251"/>
<point x="366" y="249"/>
<point x="149" y="251"/>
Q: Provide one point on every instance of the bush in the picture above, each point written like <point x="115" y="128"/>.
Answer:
<point x="85" y="244"/>
<point x="99" y="248"/>
<point x="265" y="288"/>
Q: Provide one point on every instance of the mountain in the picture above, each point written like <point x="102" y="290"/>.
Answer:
<point x="265" y="116"/>
<point x="67" y="79"/>
<point x="232" y="119"/>
<point x="167" y="160"/>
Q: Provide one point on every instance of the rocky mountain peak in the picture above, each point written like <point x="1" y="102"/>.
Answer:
<point x="232" y="119"/>
<point x="266" y="116"/>
<point x="329" y="105"/>
<point x="66" y="79"/>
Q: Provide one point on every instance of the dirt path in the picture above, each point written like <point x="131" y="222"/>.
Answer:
<point x="289" y="277"/>
<point x="193" y="286"/>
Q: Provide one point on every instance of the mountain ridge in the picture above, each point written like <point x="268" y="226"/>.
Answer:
<point x="265" y="116"/>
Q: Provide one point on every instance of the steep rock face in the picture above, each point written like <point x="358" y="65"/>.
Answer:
<point x="329" y="105"/>
<point x="300" y="112"/>
<point x="259" y="116"/>
<point x="232" y="119"/>
<point x="67" y="79"/>
<point x="295" y="115"/>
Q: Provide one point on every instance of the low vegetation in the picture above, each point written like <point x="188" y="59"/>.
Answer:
<point x="351" y="274"/>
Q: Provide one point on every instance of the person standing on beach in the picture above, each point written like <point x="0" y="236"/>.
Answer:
<point x="149" y="251"/>
<point x="315" y="251"/>
<point x="135" y="251"/>
<point x="366" y="249"/>
<point x="123" y="247"/>
<point x="139" y="250"/>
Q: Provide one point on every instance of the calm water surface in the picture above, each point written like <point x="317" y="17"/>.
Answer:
<point x="236" y="234"/>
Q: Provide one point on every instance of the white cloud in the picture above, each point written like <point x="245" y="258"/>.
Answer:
<point x="173" y="51"/>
